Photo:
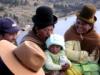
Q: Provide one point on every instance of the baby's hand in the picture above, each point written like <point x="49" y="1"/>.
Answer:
<point x="64" y="67"/>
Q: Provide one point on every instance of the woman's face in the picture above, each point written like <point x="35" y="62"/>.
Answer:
<point x="82" y="27"/>
<point x="45" y="32"/>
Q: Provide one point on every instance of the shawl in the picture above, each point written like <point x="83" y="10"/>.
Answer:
<point x="89" y="42"/>
<point x="31" y="36"/>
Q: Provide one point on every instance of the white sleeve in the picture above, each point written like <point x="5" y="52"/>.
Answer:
<point x="65" y="59"/>
<point x="49" y="63"/>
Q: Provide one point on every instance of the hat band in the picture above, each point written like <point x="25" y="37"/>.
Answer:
<point x="23" y="63"/>
<point x="90" y="21"/>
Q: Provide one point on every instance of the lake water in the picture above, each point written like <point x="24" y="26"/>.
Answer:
<point x="63" y="24"/>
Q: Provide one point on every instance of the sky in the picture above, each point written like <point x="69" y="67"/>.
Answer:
<point x="63" y="24"/>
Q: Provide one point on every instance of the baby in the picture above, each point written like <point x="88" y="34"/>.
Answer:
<point x="56" y="62"/>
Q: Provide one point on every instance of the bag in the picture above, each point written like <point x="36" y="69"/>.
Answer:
<point x="72" y="71"/>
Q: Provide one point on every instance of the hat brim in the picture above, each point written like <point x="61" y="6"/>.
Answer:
<point x="90" y="21"/>
<point x="6" y="53"/>
<point x="55" y="19"/>
<point x="12" y="30"/>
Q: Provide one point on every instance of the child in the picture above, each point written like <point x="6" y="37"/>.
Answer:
<point x="56" y="63"/>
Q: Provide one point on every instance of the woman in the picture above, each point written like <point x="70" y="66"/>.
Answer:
<point x="44" y="22"/>
<point x="82" y="42"/>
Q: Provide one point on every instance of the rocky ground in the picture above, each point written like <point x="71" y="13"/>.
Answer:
<point x="23" y="11"/>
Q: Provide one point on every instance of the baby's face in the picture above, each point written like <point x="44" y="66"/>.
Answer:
<point x="54" y="48"/>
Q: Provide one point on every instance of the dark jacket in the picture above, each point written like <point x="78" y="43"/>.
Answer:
<point x="4" y="69"/>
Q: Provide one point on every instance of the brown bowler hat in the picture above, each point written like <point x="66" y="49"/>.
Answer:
<point x="87" y="13"/>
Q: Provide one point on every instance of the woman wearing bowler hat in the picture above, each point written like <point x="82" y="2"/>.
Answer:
<point x="83" y="43"/>
<point x="44" y="23"/>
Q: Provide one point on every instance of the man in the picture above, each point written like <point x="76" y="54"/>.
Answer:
<point x="8" y="29"/>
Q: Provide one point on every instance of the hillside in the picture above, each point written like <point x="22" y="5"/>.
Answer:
<point x="22" y="10"/>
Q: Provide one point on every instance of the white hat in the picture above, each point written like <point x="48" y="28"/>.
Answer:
<point x="55" y="39"/>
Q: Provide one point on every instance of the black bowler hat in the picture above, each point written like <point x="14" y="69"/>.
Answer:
<point x="44" y="17"/>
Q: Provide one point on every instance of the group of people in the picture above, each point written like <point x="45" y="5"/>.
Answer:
<point x="42" y="52"/>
